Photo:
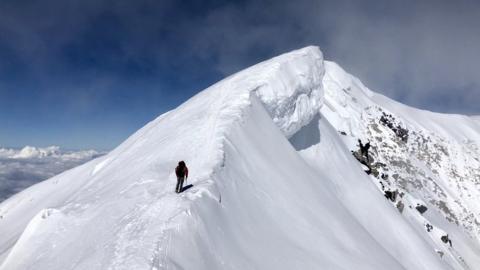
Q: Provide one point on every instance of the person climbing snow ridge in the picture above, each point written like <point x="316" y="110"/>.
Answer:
<point x="364" y="149"/>
<point x="182" y="173"/>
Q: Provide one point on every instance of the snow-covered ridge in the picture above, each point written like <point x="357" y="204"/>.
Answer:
<point x="194" y="132"/>
<point x="256" y="203"/>
<point x="294" y="92"/>
<point x="428" y="156"/>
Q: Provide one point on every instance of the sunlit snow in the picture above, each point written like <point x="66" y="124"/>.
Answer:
<point x="275" y="184"/>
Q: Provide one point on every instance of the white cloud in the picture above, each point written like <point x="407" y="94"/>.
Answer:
<point x="21" y="168"/>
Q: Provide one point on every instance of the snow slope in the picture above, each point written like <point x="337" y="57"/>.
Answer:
<point x="274" y="187"/>
<point x="432" y="158"/>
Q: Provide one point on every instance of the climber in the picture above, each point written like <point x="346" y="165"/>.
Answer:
<point x="364" y="149"/>
<point x="182" y="173"/>
<point x="360" y="144"/>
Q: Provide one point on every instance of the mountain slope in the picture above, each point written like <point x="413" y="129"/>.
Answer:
<point x="275" y="187"/>
<point x="431" y="158"/>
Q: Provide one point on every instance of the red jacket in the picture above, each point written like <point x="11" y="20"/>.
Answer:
<point x="180" y="173"/>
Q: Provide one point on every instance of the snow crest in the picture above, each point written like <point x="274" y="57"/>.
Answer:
<point x="294" y="95"/>
<point x="124" y="202"/>
<point x="255" y="201"/>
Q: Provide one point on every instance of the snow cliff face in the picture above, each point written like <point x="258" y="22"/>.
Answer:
<point x="275" y="184"/>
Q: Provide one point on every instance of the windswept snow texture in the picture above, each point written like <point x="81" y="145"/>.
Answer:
<point x="22" y="168"/>
<point x="275" y="186"/>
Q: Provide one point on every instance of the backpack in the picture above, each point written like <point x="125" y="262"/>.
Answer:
<point x="180" y="171"/>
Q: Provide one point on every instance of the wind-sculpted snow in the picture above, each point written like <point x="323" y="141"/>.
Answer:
<point x="294" y="97"/>
<point x="122" y="204"/>
<point x="256" y="202"/>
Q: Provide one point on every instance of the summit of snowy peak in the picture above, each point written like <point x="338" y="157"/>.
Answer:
<point x="132" y="185"/>
<point x="289" y="86"/>
<point x="293" y="92"/>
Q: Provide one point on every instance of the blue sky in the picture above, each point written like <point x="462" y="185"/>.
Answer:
<point x="87" y="74"/>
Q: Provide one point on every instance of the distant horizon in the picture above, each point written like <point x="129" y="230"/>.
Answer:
<point x="61" y="148"/>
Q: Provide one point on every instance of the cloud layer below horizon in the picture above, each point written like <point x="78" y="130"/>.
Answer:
<point x="21" y="168"/>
